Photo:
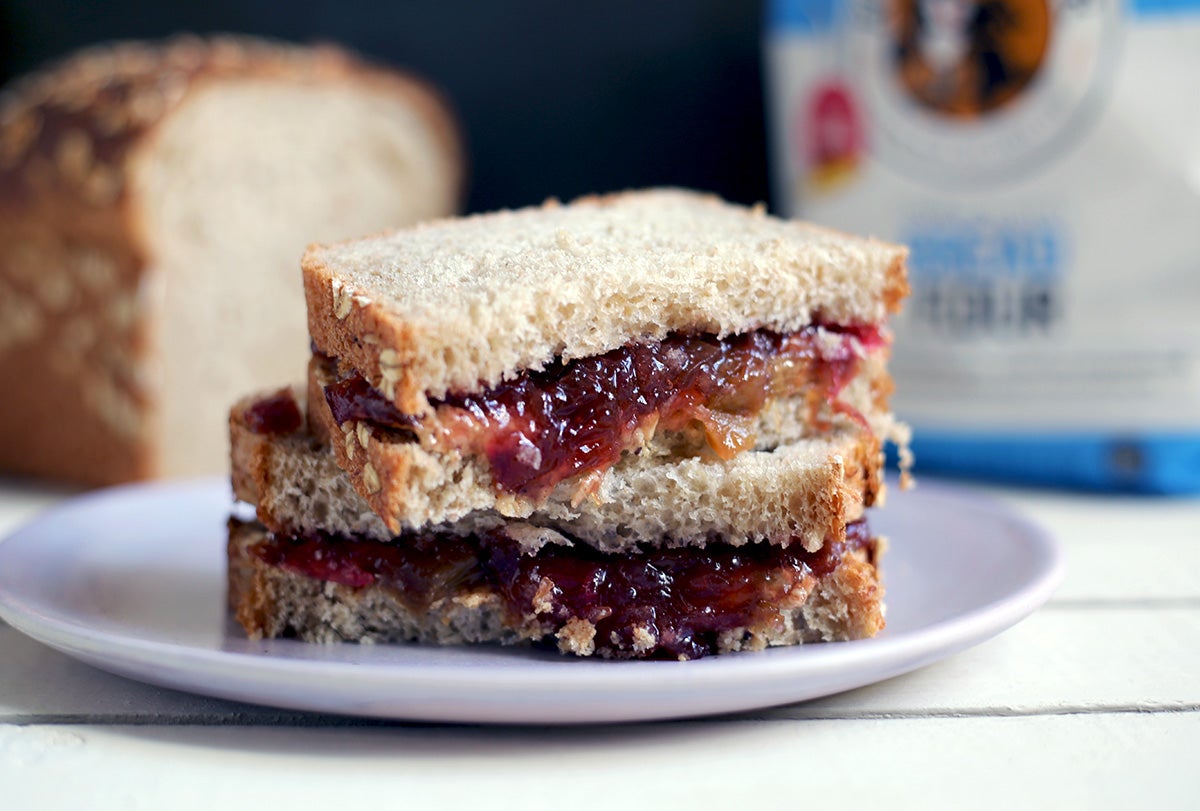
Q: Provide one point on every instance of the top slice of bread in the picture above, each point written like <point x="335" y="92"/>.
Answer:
<point x="458" y="304"/>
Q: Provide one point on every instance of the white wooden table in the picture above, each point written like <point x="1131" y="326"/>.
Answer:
<point x="1093" y="702"/>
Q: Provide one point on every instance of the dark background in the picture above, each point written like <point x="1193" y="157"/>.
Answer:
<point x="556" y="98"/>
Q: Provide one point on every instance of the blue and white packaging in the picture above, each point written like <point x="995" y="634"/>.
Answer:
<point x="1042" y="160"/>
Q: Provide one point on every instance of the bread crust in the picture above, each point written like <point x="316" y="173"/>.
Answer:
<point x="76" y="274"/>
<point x="293" y="481"/>
<point x="456" y="305"/>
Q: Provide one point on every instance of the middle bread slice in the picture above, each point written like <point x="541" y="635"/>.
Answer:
<point x="790" y="482"/>
<point x="802" y="492"/>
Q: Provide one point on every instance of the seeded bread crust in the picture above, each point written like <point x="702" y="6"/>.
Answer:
<point x="806" y="490"/>
<point x="294" y="482"/>
<point x="78" y="281"/>
<point x="272" y="602"/>
<point x="458" y="304"/>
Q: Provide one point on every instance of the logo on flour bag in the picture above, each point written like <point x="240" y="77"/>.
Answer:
<point x="954" y="93"/>
<point x="965" y="58"/>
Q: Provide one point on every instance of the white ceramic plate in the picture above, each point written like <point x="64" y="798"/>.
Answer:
<point x="132" y="580"/>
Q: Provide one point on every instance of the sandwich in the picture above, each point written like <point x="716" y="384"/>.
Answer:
<point x="640" y="425"/>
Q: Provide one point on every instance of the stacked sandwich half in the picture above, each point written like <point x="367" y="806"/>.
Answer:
<point x="644" y="425"/>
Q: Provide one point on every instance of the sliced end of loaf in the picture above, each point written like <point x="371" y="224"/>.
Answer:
<point x="152" y="197"/>
<point x="328" y="157"/>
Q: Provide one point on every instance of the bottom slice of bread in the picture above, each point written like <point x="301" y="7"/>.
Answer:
<point x="658" y="603"/>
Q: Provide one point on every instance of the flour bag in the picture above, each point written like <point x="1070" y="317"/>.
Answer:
<point x="1042" y="160"/>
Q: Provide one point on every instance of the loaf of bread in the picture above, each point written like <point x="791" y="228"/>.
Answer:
<point x="154" y="201"/>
